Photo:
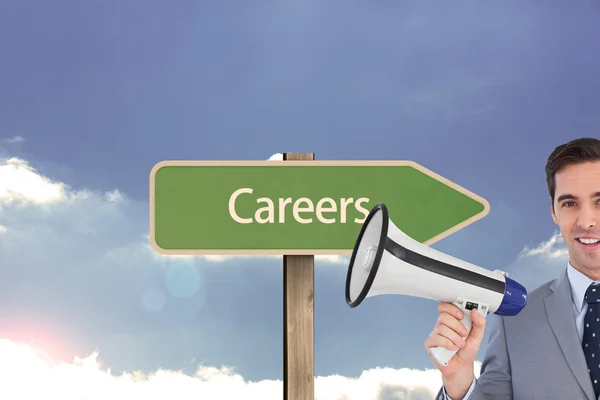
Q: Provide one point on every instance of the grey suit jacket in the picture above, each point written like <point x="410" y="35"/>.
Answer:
<point x="536" y="354"/>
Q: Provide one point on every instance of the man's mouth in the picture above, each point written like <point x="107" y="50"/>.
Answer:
<point x="588" y="241"/>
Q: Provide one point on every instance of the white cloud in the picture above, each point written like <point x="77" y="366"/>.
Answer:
<point x="12" y="140"/>
<point x="553" y="248"/>
<point x="535" y="265"/>
<point x="332" y="259"/>
<point x="86" y="378"/>
<point x="20" y="183"/>
<point x="276" y="157"/>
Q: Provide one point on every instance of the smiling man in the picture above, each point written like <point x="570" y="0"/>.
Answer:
<point x="551" y="350"/>
<point x="575" y="210"/>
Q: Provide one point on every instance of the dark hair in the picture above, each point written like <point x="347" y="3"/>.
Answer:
<point x="574" y="152"/>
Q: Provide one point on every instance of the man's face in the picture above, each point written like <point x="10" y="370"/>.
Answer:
<point x="577" y="213"/>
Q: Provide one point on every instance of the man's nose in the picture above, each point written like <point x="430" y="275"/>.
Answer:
<point x="588" y="218"/>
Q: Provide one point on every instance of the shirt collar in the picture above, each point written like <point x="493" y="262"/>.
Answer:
<point x="579" y="285"/>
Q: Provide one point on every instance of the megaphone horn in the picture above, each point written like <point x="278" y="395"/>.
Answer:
<point x="387" y="261"/>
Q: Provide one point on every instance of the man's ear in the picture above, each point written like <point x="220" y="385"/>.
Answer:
<point x="553" y="213"/>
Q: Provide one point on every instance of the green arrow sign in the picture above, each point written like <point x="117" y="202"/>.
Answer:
<point x="297" y="207"/>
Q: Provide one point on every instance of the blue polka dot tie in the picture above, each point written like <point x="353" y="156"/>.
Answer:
<point x="591" y="335"/>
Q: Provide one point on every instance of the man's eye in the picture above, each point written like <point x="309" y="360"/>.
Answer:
<point x="568" y="204"/>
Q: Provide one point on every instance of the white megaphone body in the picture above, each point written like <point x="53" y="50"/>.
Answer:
<point x="387" y="261"/>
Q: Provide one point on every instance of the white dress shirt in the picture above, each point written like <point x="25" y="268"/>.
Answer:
<point x="579" y="285"/>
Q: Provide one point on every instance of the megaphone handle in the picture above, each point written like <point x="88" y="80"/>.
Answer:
<point x="441" y="354"/>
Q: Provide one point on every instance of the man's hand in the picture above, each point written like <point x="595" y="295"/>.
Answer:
<point x="451" y="334"/>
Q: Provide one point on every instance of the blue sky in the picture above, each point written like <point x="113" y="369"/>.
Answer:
<point x="94" y="94"/>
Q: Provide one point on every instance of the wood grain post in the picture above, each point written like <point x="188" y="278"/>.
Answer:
<point x="298" y="319"/>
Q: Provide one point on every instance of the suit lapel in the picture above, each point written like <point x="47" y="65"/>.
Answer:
<point x="559" y="307"/>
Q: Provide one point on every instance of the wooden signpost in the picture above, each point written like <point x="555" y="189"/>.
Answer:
<point x="297" y="208"/>
<point x="298" y="319"/>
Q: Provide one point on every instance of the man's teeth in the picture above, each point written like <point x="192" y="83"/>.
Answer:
<point x="588" y="241"/>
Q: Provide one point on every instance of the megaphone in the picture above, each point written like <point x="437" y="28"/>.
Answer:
<point x="387" y="261"/>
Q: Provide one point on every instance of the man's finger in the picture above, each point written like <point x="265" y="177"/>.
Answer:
<point x="478" y="326"/>
<point x="450" y="309"/>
